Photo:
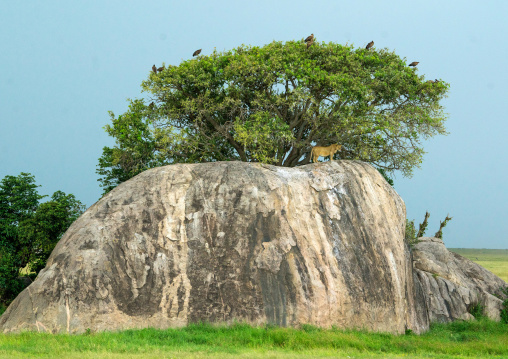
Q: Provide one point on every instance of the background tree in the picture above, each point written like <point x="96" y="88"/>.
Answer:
<point x="271" y="104"/>
<point x="18" y="201"/>
<point x="29" y="230"/>
<point x="40" y="233"/>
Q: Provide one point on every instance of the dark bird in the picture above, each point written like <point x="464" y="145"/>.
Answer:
<point x="310" y="43"/>
<point x="369" y="45"/>
<point x="154" y="69"/>
<point x="436" y="81"/>
<point x="196" y="53"/>
<point x="151" y="105"/>
<point x="160" y="68"/>
<point x="414" y="63"/>
<point x="310" y="38"/>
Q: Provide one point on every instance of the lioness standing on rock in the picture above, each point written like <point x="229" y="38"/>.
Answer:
<point x="324" y="151"/>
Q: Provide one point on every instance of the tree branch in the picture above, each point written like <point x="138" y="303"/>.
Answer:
<point x="230" y="139"/>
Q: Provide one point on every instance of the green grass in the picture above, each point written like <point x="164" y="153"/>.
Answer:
<point x="495" y="260"/>
<point x="474" y="339"/>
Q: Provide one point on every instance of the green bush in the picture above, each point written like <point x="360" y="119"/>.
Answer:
<point x="410" y="235"/>
<point x="477" y="310"/>
<point x="504" y="311"/>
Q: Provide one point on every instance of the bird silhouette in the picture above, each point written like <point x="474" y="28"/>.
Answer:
<point x="160" y="68"/>
<point x="414" y="63"/>
<point x="197" y="52"/>
<point x="310" y="38"/>
<point x="310" y="43"/>
<point x="154" y="69"/>
<point x="436" y="81"/>
<point x="369" y="45"/>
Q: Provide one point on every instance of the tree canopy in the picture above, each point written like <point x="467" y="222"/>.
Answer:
<point x="271" y="104"/>
<point x="29" y="230"/>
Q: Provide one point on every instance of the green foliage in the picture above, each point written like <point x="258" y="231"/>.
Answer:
<point x="29" y="230"/>
<point x="10" y="283"/>
<point x="262" y="135"/>
<point x="410" y="234"/>
<point x="439" y="233"/>
<point x="138" y="146"/>
<point x="386" y="177"/>
<point x="504" y="310"/>
<point x="272" y="103"/>
<point x="423" y="226"/>
<point x="476" y="309"/>
<point x="479" y="338"/>
<point x="309" y="328"/>
<point x="18" y="201"/>
<point x="39" y="234"/>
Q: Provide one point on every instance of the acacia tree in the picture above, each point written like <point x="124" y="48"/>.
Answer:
<point x="271" y="104"/>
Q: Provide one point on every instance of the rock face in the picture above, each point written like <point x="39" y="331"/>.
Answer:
<point x="319" y="244"/>
<point x="452" y="284"/>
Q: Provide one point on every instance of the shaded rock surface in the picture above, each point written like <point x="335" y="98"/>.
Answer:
<point x="319" y="244"/>
<point x="452" y="284"/>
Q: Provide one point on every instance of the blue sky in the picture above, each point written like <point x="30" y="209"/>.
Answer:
<point x="64" y="65"/>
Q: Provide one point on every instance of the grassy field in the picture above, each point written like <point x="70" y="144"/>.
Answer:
<point x="495" y="260"/>
<point x="475" y="339"/>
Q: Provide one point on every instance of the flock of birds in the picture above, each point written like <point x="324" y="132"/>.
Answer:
<point x="412" y="64"/>
<point x="370" y="44"/>
<point x="309" y="40"/>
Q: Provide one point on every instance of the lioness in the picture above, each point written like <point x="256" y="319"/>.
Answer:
<point x="324" y="151"/>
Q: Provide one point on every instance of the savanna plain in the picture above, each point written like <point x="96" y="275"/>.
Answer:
<point x="481" y="338"/>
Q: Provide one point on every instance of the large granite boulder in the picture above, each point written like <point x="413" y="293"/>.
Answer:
<point x="232" y="241"/>
<point x="452" y="284"/>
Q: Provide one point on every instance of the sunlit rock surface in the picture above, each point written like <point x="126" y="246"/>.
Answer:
<point x="232" y="241"/>
<point x="453" y="284"/>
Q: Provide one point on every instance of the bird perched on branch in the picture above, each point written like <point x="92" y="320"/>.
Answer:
<point x="310" y="38"/>
<point x="414" y="63"/>
<point x="369" y="45"/>
<point x="310" y="43"/>
<point x="154" y="69"/>
<point x="160" y="68"/>
<point x="197" y="52"/>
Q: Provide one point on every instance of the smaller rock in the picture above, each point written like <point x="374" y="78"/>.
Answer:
<point x="452" y="284"/>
